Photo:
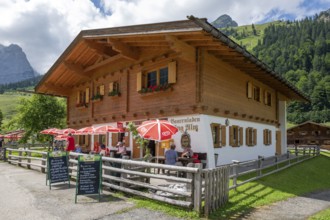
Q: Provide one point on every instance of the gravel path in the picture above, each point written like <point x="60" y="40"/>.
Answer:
<point x="296" y="208"/>
<point x="24" y="196"/>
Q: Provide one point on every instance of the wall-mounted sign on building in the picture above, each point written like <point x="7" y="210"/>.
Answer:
<point x="185" y="140"/>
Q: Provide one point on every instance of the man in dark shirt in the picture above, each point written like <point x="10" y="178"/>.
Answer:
<point x="1" y="141"/>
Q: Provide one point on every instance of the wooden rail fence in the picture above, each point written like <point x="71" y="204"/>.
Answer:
<point x="264" y="166"/>
<point x="204" y="190"/>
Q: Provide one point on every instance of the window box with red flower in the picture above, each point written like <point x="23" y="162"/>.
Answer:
<point x="114" y="93"/>
<point x="81" y="105"/>
<point x="156" y="88"/>
<point x="97" y="98"/>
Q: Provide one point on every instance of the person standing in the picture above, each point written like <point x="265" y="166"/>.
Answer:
<point x="1" y="142"/>
<point x="121" y="149"/>
<point x="70" y="143"/>
<point x="171" y="156"/>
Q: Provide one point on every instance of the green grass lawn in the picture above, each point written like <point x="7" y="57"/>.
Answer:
<point x="323" y="215"/>
<point x="279" y="186"/>
<point x="8" y="104"/>
<point x="306" y="177"/>
<point x="252" y="40"/>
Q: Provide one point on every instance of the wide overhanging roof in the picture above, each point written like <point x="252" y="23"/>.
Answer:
<point x="120" y="46"/>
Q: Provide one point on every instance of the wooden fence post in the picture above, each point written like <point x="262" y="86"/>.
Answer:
<point x="29" y="160"/>
<point x="9" y="156"/>
<point x="4" y="151"/>
<point x="43" y="170"/>
<point x="20" y="158"/>
<point x="309" y="151"/>
<point x="198" y="188"/>
<point x="124" y="175"/>
<point x="276" y="160"/>
<point x="288" y="156"/>
<point x="304" y="151"/>
<point x="189" y="186"/>
<point x="296" y="150"/>
<point x="235" y="172"/>
<point x="260" y="160"/>
<point x="314" y="151"/>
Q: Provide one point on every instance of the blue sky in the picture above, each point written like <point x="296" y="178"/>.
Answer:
<point x="45" y="28"/>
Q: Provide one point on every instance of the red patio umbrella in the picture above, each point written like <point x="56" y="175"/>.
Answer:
<point x="61" y="137"/>
<point x="157" y="130"/>
<point x="68" y="131"/>
<point x="51" y="131"/>
<point x="84" y="131"/>
<point x="103" y="129"/>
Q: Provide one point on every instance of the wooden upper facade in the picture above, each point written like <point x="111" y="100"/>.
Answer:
<point x="165" y="69"/>
<point x="309" y="133"/>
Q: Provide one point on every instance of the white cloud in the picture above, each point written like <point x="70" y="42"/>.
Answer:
<point x="45" y="28"/>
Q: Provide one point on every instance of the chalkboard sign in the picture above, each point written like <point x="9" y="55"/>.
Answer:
<point x="58" y="170"/>
<point x="89" y="175"/>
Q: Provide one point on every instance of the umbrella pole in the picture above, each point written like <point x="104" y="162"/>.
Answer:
<point x="157" y="151"/>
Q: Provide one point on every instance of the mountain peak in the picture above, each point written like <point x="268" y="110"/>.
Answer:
<point x="14" y="66"/>
<point x="324" y="16"/>
<point x="224" y="21"/>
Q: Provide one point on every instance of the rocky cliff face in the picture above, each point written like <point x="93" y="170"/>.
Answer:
<point x="14" y="66"/>
<point x="224" y="21"/>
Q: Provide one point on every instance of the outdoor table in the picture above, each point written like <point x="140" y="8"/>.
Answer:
<point x="185" y="160"/>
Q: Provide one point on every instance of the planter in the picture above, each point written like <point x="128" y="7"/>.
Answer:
<point x="96" y="100"/>
<point x="82" y="107"/>
<point x="168" y="90"/>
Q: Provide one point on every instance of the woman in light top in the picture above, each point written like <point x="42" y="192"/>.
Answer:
<point x="187" y="152"/>
<point x="121" y="149"/>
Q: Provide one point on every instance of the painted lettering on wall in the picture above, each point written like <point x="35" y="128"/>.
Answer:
<point x="186" y="124"/>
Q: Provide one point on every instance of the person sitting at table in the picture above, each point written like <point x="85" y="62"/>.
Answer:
<point x="121" y="149"/>
<point x="78" y="149"/>
<point x="102" y="151"/>
<point x="187" y="152"/>
<point x="171" y="156"/>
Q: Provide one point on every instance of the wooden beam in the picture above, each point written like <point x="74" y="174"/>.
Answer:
<point x="125" y="50"/>
<point x="99" y="49"/>
<point x="188" y="52"/>
<point x="65" y="91"/>
<point x="76" y="69"/>
<point x="104" y="62"/>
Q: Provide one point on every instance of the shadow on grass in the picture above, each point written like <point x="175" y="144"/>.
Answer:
<point x="298" y="180"/>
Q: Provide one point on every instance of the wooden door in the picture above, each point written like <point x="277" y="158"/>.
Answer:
<point x="278" y="143"/>
<point x="159" y="150"/>
<point x="136" y="150"/>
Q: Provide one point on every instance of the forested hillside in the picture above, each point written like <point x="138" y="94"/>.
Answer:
<point x="25" y="84"/>
<point x="300" y="52"/>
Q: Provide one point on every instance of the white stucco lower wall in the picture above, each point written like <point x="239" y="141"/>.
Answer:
<point x="198" y="126"/>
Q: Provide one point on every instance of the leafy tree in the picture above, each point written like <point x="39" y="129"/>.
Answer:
<point x="142" y="143"/>
<point x="38" y="113"/>
<point x="254" y="30"/>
